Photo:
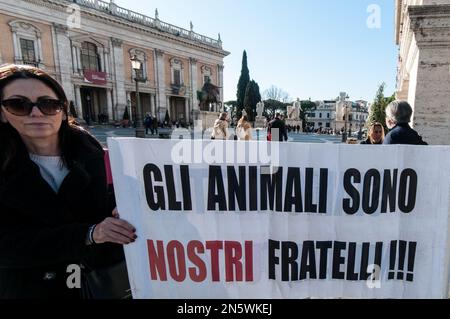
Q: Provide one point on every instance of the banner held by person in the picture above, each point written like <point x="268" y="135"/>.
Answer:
<point x="225" y="219"/>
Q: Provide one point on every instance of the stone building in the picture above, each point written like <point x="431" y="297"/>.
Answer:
<point x="335" y="115"/>
<point x="87" y="46"/>
<point x="423" y="78"/>
<point x="323" y="115"/>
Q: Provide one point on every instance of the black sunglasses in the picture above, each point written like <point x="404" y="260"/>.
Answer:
<point x="23" y="106"/>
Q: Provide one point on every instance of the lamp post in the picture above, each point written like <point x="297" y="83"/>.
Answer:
<point x="360" y="125"/>
<point x="136" y="64"/>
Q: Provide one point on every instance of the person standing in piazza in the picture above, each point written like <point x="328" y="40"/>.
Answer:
<point x="398" y="116"/>
<point x="277" y="129"/>
<point x="220" y="128"/>
<point x="244" y="129"/>
<point x="55" y="208"/>
<point x="155" y="125"/>
<point x="148" y="123"/>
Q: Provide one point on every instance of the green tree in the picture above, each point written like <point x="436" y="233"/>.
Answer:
<point x="275" y="100"/>
<point x="378" y="110"/>
<point x="307" y="107"/>
<point x="252" y="97"/>
<point x="273" y="106"/>
<point x="242" y="85"/>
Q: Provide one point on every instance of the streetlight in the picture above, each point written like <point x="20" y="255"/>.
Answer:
<point x="136" y="64"/>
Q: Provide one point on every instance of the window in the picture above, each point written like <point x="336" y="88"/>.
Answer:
<point x="28" y="51"/>
<point x="206" y="73"/>
<point x="328" y="115"/>
<point x="177" y="77"/>
<point x="90" y="59"/>
<point x="176" y="66"/>
<point x="27" y="43"/>
<point x="328" y="125"/>
<point x="320" y="115"/>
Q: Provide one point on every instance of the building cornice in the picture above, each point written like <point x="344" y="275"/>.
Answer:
<point x="430" y="24"/>
<point x="398" y="20"/>
<point x="433" y="10"/>
<point x="62" y="5"/>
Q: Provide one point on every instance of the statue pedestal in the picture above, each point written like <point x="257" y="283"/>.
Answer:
<point x="294" y="123"/>
<point x="260" y="122"/>
<point x="208" y="119"/>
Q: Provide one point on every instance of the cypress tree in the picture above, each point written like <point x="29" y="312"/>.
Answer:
<point x="252" y="97"/>
<point x="242" y="85"/>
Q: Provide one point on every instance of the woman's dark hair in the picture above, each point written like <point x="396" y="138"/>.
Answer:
<point x="10" y="140"/>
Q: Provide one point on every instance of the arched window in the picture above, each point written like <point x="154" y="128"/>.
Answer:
<point x="90" y="59"/>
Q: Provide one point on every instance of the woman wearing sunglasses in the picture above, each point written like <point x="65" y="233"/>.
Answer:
<point x="55" y="211"/>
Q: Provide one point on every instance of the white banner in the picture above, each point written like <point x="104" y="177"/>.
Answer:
<point x="225" y="219"/>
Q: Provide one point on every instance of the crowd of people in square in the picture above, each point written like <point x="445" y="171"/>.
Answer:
<point x="398" y="117"/>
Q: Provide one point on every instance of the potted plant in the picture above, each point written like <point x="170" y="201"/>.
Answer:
<point x="167" y="119"/>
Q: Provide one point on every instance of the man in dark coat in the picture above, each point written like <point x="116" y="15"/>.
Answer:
<point x="277" y="129"/>
<point x="398" y="116"/>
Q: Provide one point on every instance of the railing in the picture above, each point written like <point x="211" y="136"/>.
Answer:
<point x="30" y="63"/>
<point x="113" y="9"/>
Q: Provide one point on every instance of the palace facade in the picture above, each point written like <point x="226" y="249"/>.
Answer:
<point x="87" y="46"/>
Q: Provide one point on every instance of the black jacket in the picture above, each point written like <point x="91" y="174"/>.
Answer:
<point x="277" y="126"/>
<point x="41" y="232"/>
<point x="403" y="134"/>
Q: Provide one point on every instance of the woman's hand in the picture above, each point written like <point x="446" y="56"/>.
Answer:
<point x="114" y="230"/>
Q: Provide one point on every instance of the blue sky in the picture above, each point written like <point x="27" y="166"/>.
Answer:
<point x="309" y="48"/>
